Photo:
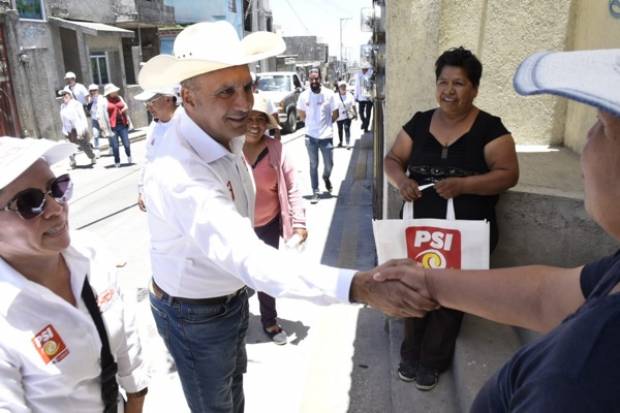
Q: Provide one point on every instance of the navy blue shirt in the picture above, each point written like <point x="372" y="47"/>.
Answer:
<point x="573" y="368"/>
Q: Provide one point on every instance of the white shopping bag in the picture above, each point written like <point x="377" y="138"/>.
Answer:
<point x="435" y="243"/>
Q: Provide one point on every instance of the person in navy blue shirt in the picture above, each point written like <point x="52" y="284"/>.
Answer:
<point x="575" y="366"/>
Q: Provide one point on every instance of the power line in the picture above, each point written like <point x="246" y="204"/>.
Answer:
<point x="297" y="15"/>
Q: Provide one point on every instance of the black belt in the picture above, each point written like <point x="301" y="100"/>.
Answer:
<point x="224" y="299"/>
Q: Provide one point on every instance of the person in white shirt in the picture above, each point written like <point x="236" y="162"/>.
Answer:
<point x="58" y="290"/>
<point x="161" y="103"/>
<point x="79" y="90"/>
<point x="199" y="196"/>
<point x="75" y="126"/>
<point x="363" y="94"/>
<point x="318" y="108"/>
<point x="346" y="113"/>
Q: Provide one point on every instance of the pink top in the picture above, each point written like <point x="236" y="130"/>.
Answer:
<point x="267" y="201"/>
<point x="290" y="204"/>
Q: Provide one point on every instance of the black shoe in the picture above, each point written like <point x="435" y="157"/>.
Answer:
<point x="340" y="145"/>
<point x="407" y="371"/>
<point x="328" y="184"/>
<point x="426" y="379"/>
<point x="315" y="198"/>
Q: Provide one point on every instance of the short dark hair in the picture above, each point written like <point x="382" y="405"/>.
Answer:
<point x="463" y="58"/>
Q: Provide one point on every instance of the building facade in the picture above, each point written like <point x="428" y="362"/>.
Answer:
<point x="100" y="41"/>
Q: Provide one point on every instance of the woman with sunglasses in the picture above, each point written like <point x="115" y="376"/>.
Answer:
<point x="67" y="343"/>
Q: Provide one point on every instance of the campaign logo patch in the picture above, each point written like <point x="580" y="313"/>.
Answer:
<point x="50" y="345"/>
<point x="434" y="247"/>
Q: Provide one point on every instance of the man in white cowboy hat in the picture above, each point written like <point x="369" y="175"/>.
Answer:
<point x="199" y="197"/>
<point x="161" y="104"/>
<point x="75" y="125"/>
<point x="363" y="94"/>
<point x="79" y="90"/>
<point x="574" y="366"/>
<point x="98" y="108"/>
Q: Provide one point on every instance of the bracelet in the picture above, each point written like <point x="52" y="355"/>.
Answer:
<point x="138" y="394"/>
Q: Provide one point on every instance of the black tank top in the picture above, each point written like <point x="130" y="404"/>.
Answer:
<point x="430" y="162"/>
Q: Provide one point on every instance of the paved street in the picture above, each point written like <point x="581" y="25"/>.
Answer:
<point x="320" y="370"/>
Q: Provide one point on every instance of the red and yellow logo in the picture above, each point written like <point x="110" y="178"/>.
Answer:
<point x="50" y="345"/>
<point x="434" y="247"/>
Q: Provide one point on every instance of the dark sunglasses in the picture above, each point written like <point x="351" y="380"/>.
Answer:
<point x="30" y="203"/>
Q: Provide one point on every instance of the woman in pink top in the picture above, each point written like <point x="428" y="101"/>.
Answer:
<point x="119" y="122"/>
<point x="279" y="208"/>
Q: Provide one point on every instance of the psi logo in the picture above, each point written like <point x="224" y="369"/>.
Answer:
<point x="50" y="345"/>
<point x="434" y="247"/>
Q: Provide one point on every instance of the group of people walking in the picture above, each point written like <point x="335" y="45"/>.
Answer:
<point x="219" y="192"/>
<point x="109" y="119"/>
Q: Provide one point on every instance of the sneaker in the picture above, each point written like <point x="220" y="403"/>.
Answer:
<point x="426" y="379"/>
<point x="407" y="371"/>
<point x="129" y="160"/>
<point x="278" y="337"/>
<point x="315" y="198"/>
<point x="340" y="145"/>
<point x="93" y="161"/>
<point x="328" y="184"/>
<point x="117" y="165"/>
<point x="72" y="162"/>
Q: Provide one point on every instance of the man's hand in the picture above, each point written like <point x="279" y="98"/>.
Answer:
<point x="141" y="202"/>
<point x="450" y="187"/>
<point x="394" y="298"/>
<point x="408" y="272"/>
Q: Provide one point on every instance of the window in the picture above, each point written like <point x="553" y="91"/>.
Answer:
<point x="30" y="9"/>
<point x="232" y="6"/>
<point x="99" y="68"/>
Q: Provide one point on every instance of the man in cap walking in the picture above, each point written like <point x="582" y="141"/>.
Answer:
<point x="75" y="126"/>
<point x="199" y="198"/>
<point x="79" y="90"/>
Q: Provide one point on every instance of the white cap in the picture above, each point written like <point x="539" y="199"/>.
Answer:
<point x="587" y="76"/>
<point x="93" y="86"/>
<point x="17" y="155"/>
<point x="149" y="94"/>
<point x="70" y="75"/>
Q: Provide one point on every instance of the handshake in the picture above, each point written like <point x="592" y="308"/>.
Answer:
<point x="399" y="288"/>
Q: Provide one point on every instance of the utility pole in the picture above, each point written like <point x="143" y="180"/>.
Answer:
<point x="341" y="63"/>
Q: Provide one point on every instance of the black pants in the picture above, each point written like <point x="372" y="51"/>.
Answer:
<point x="365" y="109"/>
<point x="346" y="125"/>
<point x="270" y="234"/>
<point x="431" y="340"/>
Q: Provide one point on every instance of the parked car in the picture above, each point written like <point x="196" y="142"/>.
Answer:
<point x="283" y="88"/>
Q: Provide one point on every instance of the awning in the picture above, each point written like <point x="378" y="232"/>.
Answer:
<point x="93" y="29"/>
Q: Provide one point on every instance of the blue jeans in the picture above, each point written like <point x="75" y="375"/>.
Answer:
<point x="327" y="147"/>
<point x="122" y="132"/>
<point x="207" y="343"/>
<point x="96" y="133"/>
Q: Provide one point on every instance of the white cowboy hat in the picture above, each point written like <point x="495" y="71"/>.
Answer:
<point x="149" y="94"/>
<point x="261" y="105"/>
<point x="17" y="155"/>
<point x="205" y="47"/>
<point x="110" y="88"/>
<point x="587" y="76"/>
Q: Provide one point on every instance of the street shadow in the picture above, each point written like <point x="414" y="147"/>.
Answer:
<point x="296" y="330"/>
<point x="89" y="166"/>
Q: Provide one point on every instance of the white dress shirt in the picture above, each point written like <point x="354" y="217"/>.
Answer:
<point x="318" y="108"/>
<point x="50" y="350"/>
<point x="73" y="117"/>
<point x="200" y="203"/>
<point x="363" y="86"/>
<point x="154" y="135"/>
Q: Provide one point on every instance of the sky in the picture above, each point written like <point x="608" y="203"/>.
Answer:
<point x="322" y="18"/>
